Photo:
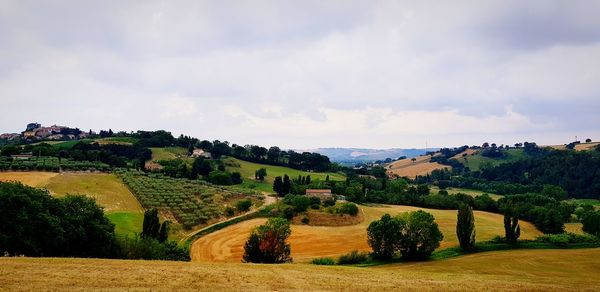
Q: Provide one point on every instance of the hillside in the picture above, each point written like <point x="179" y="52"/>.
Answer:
<point x="475" y="161"/>
<point x="308" y="242"/>
<point x="247" y="169"/>
<point x="409" y="168"/>
<point x="542" y="270"/>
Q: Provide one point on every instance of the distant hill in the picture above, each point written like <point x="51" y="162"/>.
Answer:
<point x="357" y="155"/>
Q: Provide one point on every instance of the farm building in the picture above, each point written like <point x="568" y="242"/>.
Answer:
<point x="201" y="153"/>
<point x="21" y="156"/>
<point x="319" y="193"/>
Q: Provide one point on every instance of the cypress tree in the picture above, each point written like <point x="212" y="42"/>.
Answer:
<point x="163" y="233"/>
<point x="465" y="227"/>
<point x="308" y="179"/>
<point x="512" y="229"/>
<point x="287" y="186"/>
<point x="278" y="185"/>
<point x="151" y="224"/>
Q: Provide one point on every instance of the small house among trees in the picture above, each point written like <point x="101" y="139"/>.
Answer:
<point x="201" y="153"/>
<point x="322" y="194"/>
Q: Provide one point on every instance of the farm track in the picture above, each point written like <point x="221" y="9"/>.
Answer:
<point x="308" y="242"/>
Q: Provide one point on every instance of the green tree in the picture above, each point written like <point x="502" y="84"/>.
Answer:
<point x="278" y="185"/>
<point x="307" y="179"/>
<point x="267" y="243"/>
<point x="260" y="174"/>
<point x="151" y="224"/>
<point x="555" y="192"/>
<point x="383" y="236"/>
<point x="512" y="230"/>
<point x="591" y="222"/>
<point x="286" y="187"/>
<point x="465" y="227"/>
<point x="201" y="167"/>
<point x="420" y="235"/>
<point x="163" y="233"/>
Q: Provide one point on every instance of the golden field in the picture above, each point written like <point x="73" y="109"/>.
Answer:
<point x="531" y="270"/>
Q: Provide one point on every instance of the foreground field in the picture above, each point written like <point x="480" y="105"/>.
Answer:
<point x="541" y="270"/>
<point x="308" y="242"/>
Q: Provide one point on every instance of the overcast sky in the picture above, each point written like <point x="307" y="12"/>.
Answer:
<point x="305" y="74"/>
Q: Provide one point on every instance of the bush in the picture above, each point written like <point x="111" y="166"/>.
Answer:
<point x="220" y="178"/>
<point x="137" y="248"/>
<point x="348" y="208"/>
<point x="267" y="243"/>
<point x="565" y="239"/>
<point x="329" y="202"/>
<point x="591" y="222"/>
<point x="229" y="211"/>
<point x="323" y="261"/>
<point x="354" y="257"/>
<point x="243" y="205"/>
<point x="305" y="220"/>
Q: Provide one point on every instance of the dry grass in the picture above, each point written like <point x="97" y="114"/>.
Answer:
<point x="578" y="147"/>
<point x="540" y="270"/>
<point x="31" y="178"/>
<point x="308" y="242"/>
<point x="408" y="168"/>
<point x="469" y="152"/>
<point x="107" y="189"/>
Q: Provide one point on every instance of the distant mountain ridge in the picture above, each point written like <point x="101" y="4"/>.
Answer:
<point x="367" y="155"/>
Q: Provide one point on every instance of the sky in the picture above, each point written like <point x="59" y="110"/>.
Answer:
<point x="307" y="74"/>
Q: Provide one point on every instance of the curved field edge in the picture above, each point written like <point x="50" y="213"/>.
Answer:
<point x="542" y="270"/>
<point x="309" y="242"/>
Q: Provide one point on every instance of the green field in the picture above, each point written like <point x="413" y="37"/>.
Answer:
<point x="247" y="170"/>
<point x="126" y="223"/>
<point x="472" y="193"/>
<point x="169" y="153"/>
<point x="477" y="161"/>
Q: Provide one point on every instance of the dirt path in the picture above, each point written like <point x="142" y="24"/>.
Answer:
<point x="308" y="242"/>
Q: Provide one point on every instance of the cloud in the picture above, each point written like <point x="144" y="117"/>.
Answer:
<point x="310" y="73"/>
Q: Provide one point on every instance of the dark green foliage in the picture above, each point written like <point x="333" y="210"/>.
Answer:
<point x="512" y="230"/>
<point x="383" y="236"/>
<point x="329" y="202"/>
<point x="278" y="186"/>
<point x="286" y="187"/>
<point x="299" y="202"/>
<point x="352" y="258"/>
<point x="348" y="208"/>
<point x="305" y="220"/>
<point x="201" y="167"/>
<point x="220" y="178"/>
<point x="163" y="233"/>
<point x="267" y="243"/>
<point x="591" y="222"/>
<point x="229" y="211"/>
<point x="236" y="178"/>
<point x="465" y="227"/>
<point x="243" y="205"/>
<point x="151" y="224"/>
<point x="33" y="223"/>
<point x="323" y="261"/>
<point x="137" y="247"/>
<point x="420" y="235"/>
<point x="260" y="174"/>
<point x="315" y="201"/>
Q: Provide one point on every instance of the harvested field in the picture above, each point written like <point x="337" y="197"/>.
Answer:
<point x="578" y="147"/>
<point x="308" y="242"/>
<point x="469" y="152"/>
<point x="30" y="178"/>
<point x="541" y="270"/>
<point x="411" y="169"/>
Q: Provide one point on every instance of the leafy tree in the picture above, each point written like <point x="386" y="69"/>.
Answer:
<point x="278" y="185"/>
<point x="465" y="227"/>
<point x="512" y="230"/>
<point x="419" y="235"/>
<point x="591" y="222"/>
<point x="348" y="208"/>
<point x="236" y="178"/>
<point x="260" y="174"/>
<point x="151" y="224"/>
<point x="267" y="243"/>
<point x="383" y="236"/>
<point x="555" y="192"/>
<point x="307" y="180"/>
<point x="286" y="187"/>
<point x="220" y="178"/>
<point x="190" y="149"/>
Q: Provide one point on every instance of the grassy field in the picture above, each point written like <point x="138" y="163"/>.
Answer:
<point x="472" y="193"/>
<point x="169" y="153"/>
<point x="477" y="161"/>
<point x="107" y="189"/>
<point x="308" y="242"/>
<point x="247" y="170"/>
<point x="539" y="270"/>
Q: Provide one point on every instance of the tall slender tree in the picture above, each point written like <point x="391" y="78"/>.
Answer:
<point x="151" y="224"/>
<point x="278" y="185"/>
<point x="512" y="229"/>
<point x="287" y="185"/>
<point x="465" y="227"/>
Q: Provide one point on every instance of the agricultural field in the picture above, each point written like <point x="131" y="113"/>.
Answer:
<point x="578" y="147"/>
<point x="308" y="242"/>
<point x="411" y="169"/>
<point x="108" y="190"/>
<point x="247" y="170"/>
<point x="169" y="153"/>
<point x="189" y="202"/>
<point x="470" y="192"/>
<point x="50" y="164"/>
<point x="539" y="270"/>
<point x="478" y="161"/>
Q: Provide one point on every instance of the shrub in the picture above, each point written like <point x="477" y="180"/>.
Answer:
<point x="243" y="205"/>
<point x="315" y="201"/>
<point x="329" y="202"/>
<point x="354" y="257"/>
<point x="323" y="261"/>
<point x="229" y="211"/>
<point x="591" y="222"/>
<point x="220" y="178"/>
<point x="305" y="220"/>
<point x="348" y="208"/>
